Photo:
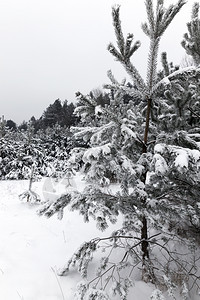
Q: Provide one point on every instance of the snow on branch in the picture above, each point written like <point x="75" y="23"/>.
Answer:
<point x="182" y="157"/>
<point x="95" y="152"/>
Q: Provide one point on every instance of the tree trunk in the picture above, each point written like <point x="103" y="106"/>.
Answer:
<point x="144" y="233"/>
<point x="144" y="237"/>
<point x="147" y="125"/>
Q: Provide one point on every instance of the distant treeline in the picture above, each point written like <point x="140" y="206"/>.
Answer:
<point x="60" y="113"/>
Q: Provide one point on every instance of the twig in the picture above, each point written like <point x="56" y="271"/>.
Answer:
<point x="58" y="283"/>
<point x="100" y="276"/>
<point x="194" y="112"/>
<point x="98" y="240"/>
<point x="64" y="236"/>
<point x="21" y="297"/>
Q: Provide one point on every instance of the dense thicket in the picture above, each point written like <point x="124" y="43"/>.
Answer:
<point x="46" y="150"/>
<point x="44" y="143"/>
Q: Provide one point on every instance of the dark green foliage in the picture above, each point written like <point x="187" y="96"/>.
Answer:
<point x="11" y="124"/>
<point x="52" y="114"/>
<point x="57" y="113"/>
<point x="23" y="126"/>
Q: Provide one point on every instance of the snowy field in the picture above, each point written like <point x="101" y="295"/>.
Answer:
<point x="33" y="248"/>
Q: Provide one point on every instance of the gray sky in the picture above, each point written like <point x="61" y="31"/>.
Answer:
<point x="52" y="48"/>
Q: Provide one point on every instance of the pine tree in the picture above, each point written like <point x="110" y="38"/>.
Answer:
<point x="57" y="113"/>
<point x="52" y="114"/>
<point x="69" y="118"/>
<point x="149" y="147"/>
<point x="191" y="42"/>
<point x="11" y="124"/>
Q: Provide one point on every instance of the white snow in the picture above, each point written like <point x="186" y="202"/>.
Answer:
<point x="189" y="69"/>
<point x="182" y="156"/>
<point x="159" y="148"/>
<point x="33" y="248"/>
<point x="96" y="151"/>
<point x="160" y="164"/>
<point x="98" y="109"/>
<point x="182" y="159"/>
<point x="128" y="131"/>
<point x="165" y="81"/>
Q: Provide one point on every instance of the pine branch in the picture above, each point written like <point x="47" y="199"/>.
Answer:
<point x="115" y="53"/>
<point x="150" y="15"/>
<point x="195" y="11"/>
<point x="170" y="14"/>
<point x="152" y="65"/>
<point x="49" y="209"/>
<point x="197" y="115"/>
<point x="126" y="50"/>
<point x="129" y="41"/>
<point x="137" y="79"/>
<point x="118" y="29"/>
<point x="156" y="29"/>
<point x="165" y="63"/>
<point x="191" y="42"/>
<point x="133" y="49"/>
<point x="146" y="29"/>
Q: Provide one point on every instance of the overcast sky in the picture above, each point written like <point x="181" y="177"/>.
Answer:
<point x="52" y="48"/>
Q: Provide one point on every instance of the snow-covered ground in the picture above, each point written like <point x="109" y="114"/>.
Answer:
<point x="33" y="248"/>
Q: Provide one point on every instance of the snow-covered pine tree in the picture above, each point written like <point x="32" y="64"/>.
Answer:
<point x="150" y="141"/>
<point x="8" y="146"/>
<point x="55" y="142"/>
<point x="191" y="41"/>
<point x="29" y="154"/>
<point x="30" y="157"/>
